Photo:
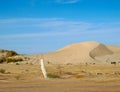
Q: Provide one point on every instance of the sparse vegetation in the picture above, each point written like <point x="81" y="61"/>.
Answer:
<point x="11" y="53"/>
<point x="9" y="60"/>
<point x="49" y="75"/>
<point x="114" y="63"/>
<point x="2" y="60"/>
<point x="99" y="73"/>
<point x="17" y="77"/>
<point x="2" y="71"/>
<point x="6" y="56"/>
<point x="17" y="64"/>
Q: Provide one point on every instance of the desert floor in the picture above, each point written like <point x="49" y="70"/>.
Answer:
<point x="77" y="78"/>
<point x="71" y="85"/>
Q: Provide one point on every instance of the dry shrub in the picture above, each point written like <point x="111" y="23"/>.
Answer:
<point x="11" y="53"/>
<point x="2" y="71"/>
<point x="6" y="54"/>
<point x="2" y="60"/>
<point x="9" y="60"/>
<point x="17" y="77"/>
<point x="49" y="75"/>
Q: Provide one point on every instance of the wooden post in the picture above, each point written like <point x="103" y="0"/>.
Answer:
<point x="43" y="68"/>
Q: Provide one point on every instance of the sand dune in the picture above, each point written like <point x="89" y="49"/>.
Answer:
<point x="75" y="53"/>
<point x="85" y="52"/>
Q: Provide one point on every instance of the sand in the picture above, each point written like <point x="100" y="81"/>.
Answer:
<point x="74" y="78"/>
<point x="82" y="67"/>
<point x="59" y="86"/>
<point x="85" y="52"/>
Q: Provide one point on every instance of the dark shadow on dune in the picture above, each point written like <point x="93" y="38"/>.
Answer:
<point x="100" y="50"/>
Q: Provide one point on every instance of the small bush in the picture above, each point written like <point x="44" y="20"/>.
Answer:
<point x="17" y="77"/>
<point x="11" y="53"/>
<point x="99" y="73"/>
<point x="49" y="75"/>
<point x="9" y="60"/>
<point x="17" y="64"/>
<point x="2" y="60"/>
<point x="2" y="71"/>
<point x="114" y="63"/>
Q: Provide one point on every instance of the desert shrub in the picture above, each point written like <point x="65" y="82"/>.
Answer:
<point x="2" y="71"/>
<point x="99" y="73"/>
<point x="114" y="63"/>
<point x="9" y="60"/>
<point x="49" y="75"/>
<point x="17" y="77"/>
<point x="17" y="64"/>
<point x="11" y="53"/>
<point x="2" y="60"/>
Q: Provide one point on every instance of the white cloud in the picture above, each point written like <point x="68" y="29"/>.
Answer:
<point x="27" y="35"/>
<point x="67" y="1"/>
<point x="14" y="20"/>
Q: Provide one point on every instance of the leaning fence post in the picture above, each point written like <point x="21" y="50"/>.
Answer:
<point x="43" y="68"/>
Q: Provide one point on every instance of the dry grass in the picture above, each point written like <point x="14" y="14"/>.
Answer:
<point x="74" y="78"/>
<point x="64" y="71"/>
<point x="83" y="71"/>
<point x="25" y="72"/>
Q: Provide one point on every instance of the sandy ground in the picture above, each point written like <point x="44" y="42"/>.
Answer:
<point x="71" y="85"/>
<point x="74" y="78"/>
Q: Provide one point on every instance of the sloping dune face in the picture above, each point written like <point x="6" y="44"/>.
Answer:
<point x="100" y="50"/>
<point x="112" y="55"/>
<point x="78" y="53"/>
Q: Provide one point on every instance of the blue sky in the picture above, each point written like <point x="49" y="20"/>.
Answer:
<point x="41" y="26"/>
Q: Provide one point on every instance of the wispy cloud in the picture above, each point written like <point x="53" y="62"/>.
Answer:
<point x="67" y="1"/>
<point x="30" y="35"/>
<point x="38" y="27"/>
<point x="14" y="20"/>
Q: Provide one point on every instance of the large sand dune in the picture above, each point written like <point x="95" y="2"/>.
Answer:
<point x="85" y="52"/>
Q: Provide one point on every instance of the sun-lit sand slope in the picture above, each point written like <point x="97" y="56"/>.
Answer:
<point x="85" y="52"/>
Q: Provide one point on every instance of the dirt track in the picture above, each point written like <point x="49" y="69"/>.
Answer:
<point x="59" y="86"/>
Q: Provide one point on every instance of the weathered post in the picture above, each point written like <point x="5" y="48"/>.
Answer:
<point x="43" y="68"/>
